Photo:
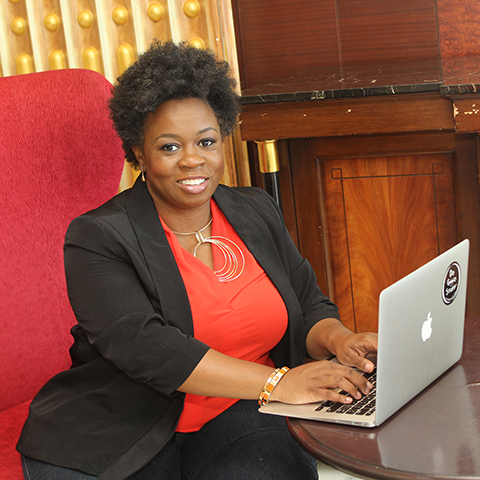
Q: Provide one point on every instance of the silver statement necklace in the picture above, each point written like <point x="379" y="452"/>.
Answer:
<point x="232" y="267"/>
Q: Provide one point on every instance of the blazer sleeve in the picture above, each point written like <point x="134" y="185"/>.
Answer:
<point x="116" y="307"/>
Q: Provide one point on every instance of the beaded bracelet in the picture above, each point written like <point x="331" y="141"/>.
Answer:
<point x="271" y="383"/>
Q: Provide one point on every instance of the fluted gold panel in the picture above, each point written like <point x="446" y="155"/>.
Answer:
<point x="153" y="21"/>
<point x="16" y="44"/>
<point x="46" y="27"/>
<point x="82" y="34"/>
<point x="197" y="22"/>
<point x="107" y="36"/>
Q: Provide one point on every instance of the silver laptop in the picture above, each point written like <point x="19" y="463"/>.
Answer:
<point x="420" y="336"/>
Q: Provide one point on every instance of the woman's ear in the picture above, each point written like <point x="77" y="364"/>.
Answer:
<point x="138" y="152"/>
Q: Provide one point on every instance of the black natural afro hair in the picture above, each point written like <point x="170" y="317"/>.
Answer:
<point x="169" y="71"/>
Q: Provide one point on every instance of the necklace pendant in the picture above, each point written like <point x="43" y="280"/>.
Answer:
<point x="234" y="260"/>
<point x="199" y="237"/>
<point x="199" y="244"/>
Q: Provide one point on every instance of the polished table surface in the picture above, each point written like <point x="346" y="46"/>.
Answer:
<point x="435" y="436"/>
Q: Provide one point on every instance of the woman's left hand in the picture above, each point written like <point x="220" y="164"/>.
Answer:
<point x="330" y="336"/>
<point x="352" y="350"/>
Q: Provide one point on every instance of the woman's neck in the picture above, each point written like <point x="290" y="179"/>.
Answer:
<point x="190" y="235"/>
<point x="186" y="221"/>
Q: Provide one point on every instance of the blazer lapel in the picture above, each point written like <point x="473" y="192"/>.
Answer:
<point x="254" y="232"/>
<point x="159" y="258"/>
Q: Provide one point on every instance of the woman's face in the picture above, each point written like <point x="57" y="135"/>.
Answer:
<point x="182" y="155"/>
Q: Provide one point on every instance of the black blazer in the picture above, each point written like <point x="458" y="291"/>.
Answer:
<point x="134" y="344"/>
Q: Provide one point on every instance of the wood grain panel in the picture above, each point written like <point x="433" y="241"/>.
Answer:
<point x="402" y="113"/>
<point x="280" y="39"/>
<point x="311" y="226"/>
<point x="457" y="198"/>
<point x="386" y="216"/>
<point x="468" y="208"/>
<point x="387" y="31"/>
<point x="277" y="38"/>
<point x="308" y="207"/>
<point x="459" y="28"/>
<point x="463" y="71"/>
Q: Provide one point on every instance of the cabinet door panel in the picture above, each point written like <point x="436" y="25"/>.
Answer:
<point x="384" y="217"/>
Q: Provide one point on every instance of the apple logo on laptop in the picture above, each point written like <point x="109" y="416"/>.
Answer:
<point x="427" y="327"/>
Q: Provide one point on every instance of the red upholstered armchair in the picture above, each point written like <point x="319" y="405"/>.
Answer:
<point x="60" y="157"/>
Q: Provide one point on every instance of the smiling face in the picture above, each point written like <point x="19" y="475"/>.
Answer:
<point x="182" y="156"/>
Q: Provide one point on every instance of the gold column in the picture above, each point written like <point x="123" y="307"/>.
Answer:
<point x="46" y="26"/>
<point x="117" y="35"/>
<point x="270" y="166"/>
<point x="152" y="20"/>
<point x="125" y="57"/>
<point x="268" y="156"/>
<point x="82" y="35"/>
<point x="15" y="36"/>
<point x="195" y="21"/>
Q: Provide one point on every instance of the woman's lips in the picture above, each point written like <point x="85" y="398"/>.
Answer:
<point x="193" y="185"/>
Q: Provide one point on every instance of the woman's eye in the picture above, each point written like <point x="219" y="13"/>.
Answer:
<point x="207" y="142"/>
<point x="170" y="147"/>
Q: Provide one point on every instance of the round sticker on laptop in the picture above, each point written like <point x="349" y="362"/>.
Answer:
<point x="451" y="283"/>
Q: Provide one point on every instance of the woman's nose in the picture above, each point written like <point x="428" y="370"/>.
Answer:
<point x="192" y="159"/>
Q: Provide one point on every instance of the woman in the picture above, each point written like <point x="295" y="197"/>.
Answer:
<point x="189" y="296"/>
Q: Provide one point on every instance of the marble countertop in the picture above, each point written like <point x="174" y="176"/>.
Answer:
<point x="454" y="76"/>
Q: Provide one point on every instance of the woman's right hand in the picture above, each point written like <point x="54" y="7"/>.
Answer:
<point x="319" y="381"/>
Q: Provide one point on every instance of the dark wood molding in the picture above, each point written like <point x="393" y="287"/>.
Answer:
<point x="466" y="112"/>
<point x="357" y="116"/>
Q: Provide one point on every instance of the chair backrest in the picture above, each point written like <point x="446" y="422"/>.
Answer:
<point x="60" y="157"/>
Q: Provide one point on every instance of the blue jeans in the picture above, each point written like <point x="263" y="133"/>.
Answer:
<point x="239" y="444"/>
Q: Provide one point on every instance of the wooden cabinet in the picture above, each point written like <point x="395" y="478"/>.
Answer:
<point x="367" y="210"/>
<point x="373" y="215"/>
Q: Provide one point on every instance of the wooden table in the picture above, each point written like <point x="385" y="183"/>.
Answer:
<point x="435" y="436"/>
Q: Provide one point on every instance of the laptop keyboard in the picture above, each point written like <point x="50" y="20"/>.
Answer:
<point x="363" y="406"/>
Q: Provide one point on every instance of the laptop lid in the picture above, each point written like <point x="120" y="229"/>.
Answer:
<point x="421" y="322"/>
<point x="420" y="329"/>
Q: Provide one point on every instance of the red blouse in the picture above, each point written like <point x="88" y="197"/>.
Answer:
<point x="244" y="318"/>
